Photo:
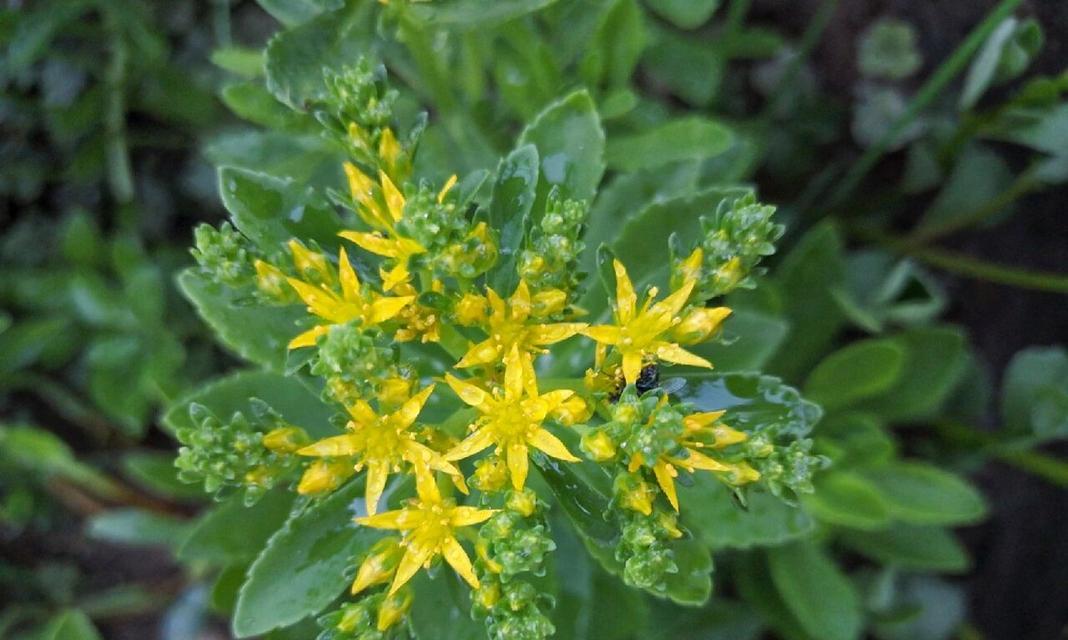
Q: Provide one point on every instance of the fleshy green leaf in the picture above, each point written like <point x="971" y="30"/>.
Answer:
<point x="847" y="499"/>
<point x="70" y="625"/>
<point x="156" y="472"/>
<point x="860" y="370"/>
<point x="1034" y="397"/>
<point x="513" y="196"/>
<point x="934" y="362"/>
<point x="691" y="138"/>
<point x="816" y="592"/>
<point x="257" y="333"/>
<point x="137" y="527"/>
<point x="585" y="505"/>
<point x="720" y="523"/>
<point x="1005" y="54"/>
<point x="232" y="532"/>
<point x="923" y="494"/>
<point x="252" y="102"/>
<point x="297" y="403"/>
<point x="442" y="612"/>
<point x="294" y="12"/>
<point x="297" y="58"/>
<point x="910" y="547"/>
<point x="570" y="145"/>
<point x="475" y="13"/>
<point x="685" y="14"/>
<point x="613" y="52"/>
<point x="302" y="568"/>
<point x="272" y="210"/>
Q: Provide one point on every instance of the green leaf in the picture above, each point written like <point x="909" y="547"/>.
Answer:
<point x="258" y="334"/>
<point x="305" y="159"/>
<point x="721" y="524"/>
<point x="859" y="438"/>
<point x="910" y="547"/>
<point x="685" y="14"/>
<point x="476" y="13"/>
<point x="271" y="211"/>
<point x="815" y="591"/>
<point x="136" y="527"/>
<point x="514" y="192"/>
<point x="934" y="362"/>
<point x="1034" y="398"/>
<point x="691" y="138"/>
<point x="443" y="611"/>
<point x="585" y="504"/>
<point x="806" y="277"/>
<point x="570" y="145"/>
<point x="860" y="370"/>
<point x="847" y="499"/>
<point x="754" y="583"/>
<point x="287" y="395"/>
<point x="753" y="402"/>
<point x="231" y="532"/>
<point x="613" y="52"/>
<point x="156" y="472"/>
<point x="979" y="176"/>
<point x="303" y="567"/>
<point x="691" y="69"/>
<point x="252" y="102"/>
<point x="41" y="453"/>
<point x="720" y="619"/>
<point x="247" y="62"/>
<point x="923" y="494"/>
<point x="295" y="12"/>
<point x="70" y="625"/>
<point x="1005" y="54"/>
<point x="750" y="339"/>
<point x="297" y="58"/>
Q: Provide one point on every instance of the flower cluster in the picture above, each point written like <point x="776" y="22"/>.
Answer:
<point x="437" y="374"/>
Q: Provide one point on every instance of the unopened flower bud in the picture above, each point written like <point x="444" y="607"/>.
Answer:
<point x="598" y="445"/>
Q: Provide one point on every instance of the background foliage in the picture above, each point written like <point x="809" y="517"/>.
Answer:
<point x="916" y="162"/>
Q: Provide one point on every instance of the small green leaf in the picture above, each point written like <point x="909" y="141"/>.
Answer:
<point x="910" y="547"/>
<point x="980" y="176"/>
<point x="156" y="472"/>
<point x="294" y="12"/>
<point x="247" y="62"/>
<point x="271" y="211"/>
<point x="750" y="339"/>
<point x="934" y="362"/>
<point x="231" y="532"/>
<point x="1034" y="398"/>
<point x="257" y="333"/>
<point x="251" y="101"/>
<point x="69" y="625"/>
<point x="685" y="14"/>
<point x="137" y="527"/>
<point x="861" y="439"/>
<point x="297" y="58"/>
<point x="1005" y="54"/>
<point x="476" y="13"/>
<point x="287" y="395"/>
<point x="722" y="524"/>
<point x="847" y="499"/>
<point x="691" y="138"/>
<point x="302" y="569"/>
<point x="923" y="494"/>
<point x="754" y="583"/>
<point x="613" y="52"/>
<point x="570" y="145"/>
<point x="514" y="192"/>
<point x="443" y="610"/>
<point x="816" y="592"/>
<point x="860" y="370"/>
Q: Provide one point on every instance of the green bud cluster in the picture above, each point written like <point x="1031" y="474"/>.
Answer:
<point x="355" y="355"/>
<point x="888" y="50"/>
<point x="455" y="246"/>
<point x="230" y="454"/>
<point x="514" y="541"/>
<point x="736" y="238"/>
<point x="358" y="621"/>
<point x="224" y="255"/>
<point x="550" y="259"/>
<point x="359" y="94"/>
<point x="785" y="471"/>
<point x="643" y="549"/>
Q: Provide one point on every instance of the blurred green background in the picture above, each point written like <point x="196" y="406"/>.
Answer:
<point x="918" y="153"/>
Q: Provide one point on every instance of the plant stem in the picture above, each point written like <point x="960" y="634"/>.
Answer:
<point x="1038" y="464"/>
<point x="931" y="89"/>
<point x="120" y="174"/>
<point x="809" y="39"/>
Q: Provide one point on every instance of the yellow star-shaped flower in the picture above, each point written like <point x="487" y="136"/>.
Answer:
<point x="512" y="418"/>
<point x="429" y="523"/>
<point x="509" y="326"/>
<point x="353" y="303"/>
<point x="702" y="431"/>
<point x="655" y="330"/>
<point x="382" y="443"/>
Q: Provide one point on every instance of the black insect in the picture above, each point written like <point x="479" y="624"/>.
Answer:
<point x="648" y="379"/>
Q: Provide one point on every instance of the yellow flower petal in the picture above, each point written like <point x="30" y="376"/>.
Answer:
<point x="388" y="149"/>
<point x="308" y="338"/>
<point x="343" y="445"/>
<point x="553" y="333"/>
<point x="384" y="309"/>
<point x="518" y="464"/>
<point x="376" y="243"/>
<point x="665" y="477"/>
<point x="362" y="413"/>
<point x="361" y="187"/>
<point x="399" y="519"/>
<point x="449" y="184"/>
<point x="415" y="557"/>
<point x="626" y="299"/>
<point x="350" y="283"/>
<point x="632" y="366"/>
<point x="467" y="516"/>
<point x="409" y="411"/>
<point x="603" y="333"/>
<point x="701" y="420"/>
<point x="674" y="353"/>
<point x="474" y="443"/>
<point x="377" y="474"/>
<point x="520" y="302"/>
<point x="546" y="442"/>
<point x="468" y="392"/>
<point x="394" y="198"/>
<point x="457" y="558"/>
<point x="485" y="352"/>
<point x="321" y="302"/>
<point x="513" y="375"/>
<point x="671" y="305"/>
